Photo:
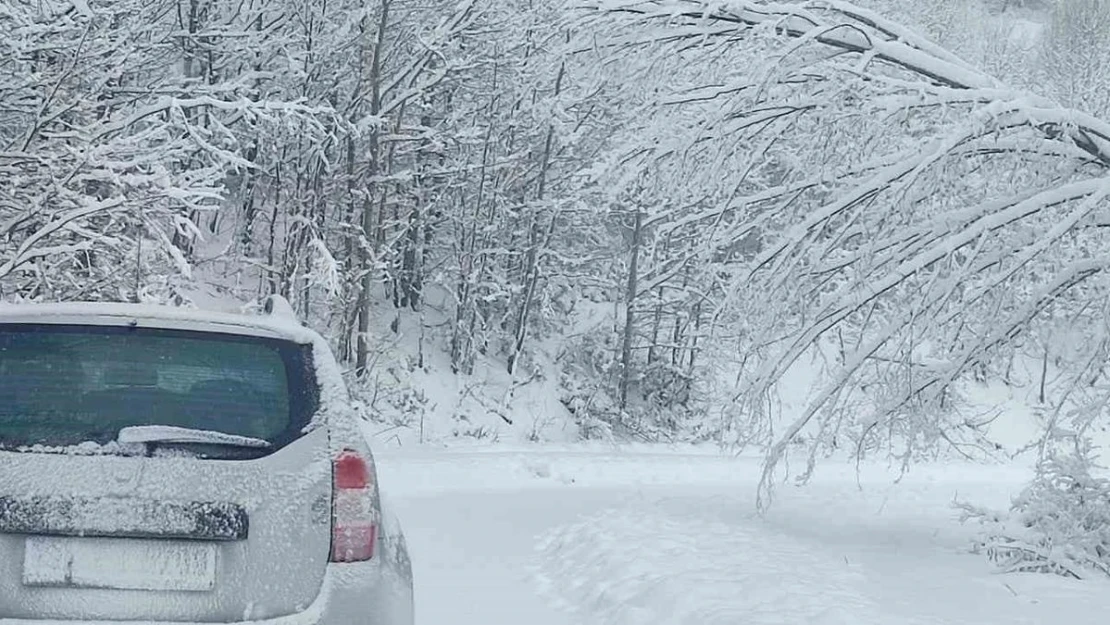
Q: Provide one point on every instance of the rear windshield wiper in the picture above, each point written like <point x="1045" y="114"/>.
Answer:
<point x="174" y="435"/>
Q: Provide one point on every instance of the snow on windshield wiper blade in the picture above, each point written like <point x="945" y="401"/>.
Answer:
<point x="170" y="434"/>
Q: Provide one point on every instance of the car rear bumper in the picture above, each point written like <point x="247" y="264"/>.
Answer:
<point x="352" y="594"/>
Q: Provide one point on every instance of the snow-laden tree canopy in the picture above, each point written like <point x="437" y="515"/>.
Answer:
<point x="119" y="132"/>
<point x="907" y="217"/>
<point x="753" y="182"/>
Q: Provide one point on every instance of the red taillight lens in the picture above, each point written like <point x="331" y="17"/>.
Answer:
<point x="350" y="471"/>
<point x="354" y="514"/>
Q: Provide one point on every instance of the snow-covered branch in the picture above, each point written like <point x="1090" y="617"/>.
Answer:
<point x="854" y="29"/>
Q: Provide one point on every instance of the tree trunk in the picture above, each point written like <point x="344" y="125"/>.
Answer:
<point x="471" y="267"/>
<point x="532" y="262"/>
<point x="274" y="277"/>
<point x="629" y="312"/>
<point x="362" y="356"/>
<point x="694" y="338"/>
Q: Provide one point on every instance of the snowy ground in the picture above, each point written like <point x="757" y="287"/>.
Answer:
<point x="563" y="537"/>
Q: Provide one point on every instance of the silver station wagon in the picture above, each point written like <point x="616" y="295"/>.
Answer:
<point x="160" y="465"/>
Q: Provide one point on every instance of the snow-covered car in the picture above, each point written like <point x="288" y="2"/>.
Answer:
<point x="163" y="465"/>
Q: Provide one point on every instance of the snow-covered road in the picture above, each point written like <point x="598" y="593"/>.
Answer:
<point x="554" y="538"/>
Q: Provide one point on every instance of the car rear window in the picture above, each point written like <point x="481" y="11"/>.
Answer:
<point x="66" y="385"/>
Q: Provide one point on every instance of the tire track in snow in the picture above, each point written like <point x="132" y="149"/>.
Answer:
<point x="641" y="566"/>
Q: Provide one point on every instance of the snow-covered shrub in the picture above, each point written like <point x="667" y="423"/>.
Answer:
<point x="662" y="403"/>
<point x="587" y="372"/>
<point x="390" y="398"/>
<point x="1059" y="524"/>
<point x="666" y="386"/>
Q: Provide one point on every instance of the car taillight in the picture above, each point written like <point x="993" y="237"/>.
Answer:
<point x="354" y="525"/>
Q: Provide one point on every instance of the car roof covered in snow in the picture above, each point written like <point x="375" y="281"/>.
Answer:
<point x="275" y="325"/>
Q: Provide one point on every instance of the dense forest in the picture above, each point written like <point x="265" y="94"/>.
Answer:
<point x="737" y="187"/>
